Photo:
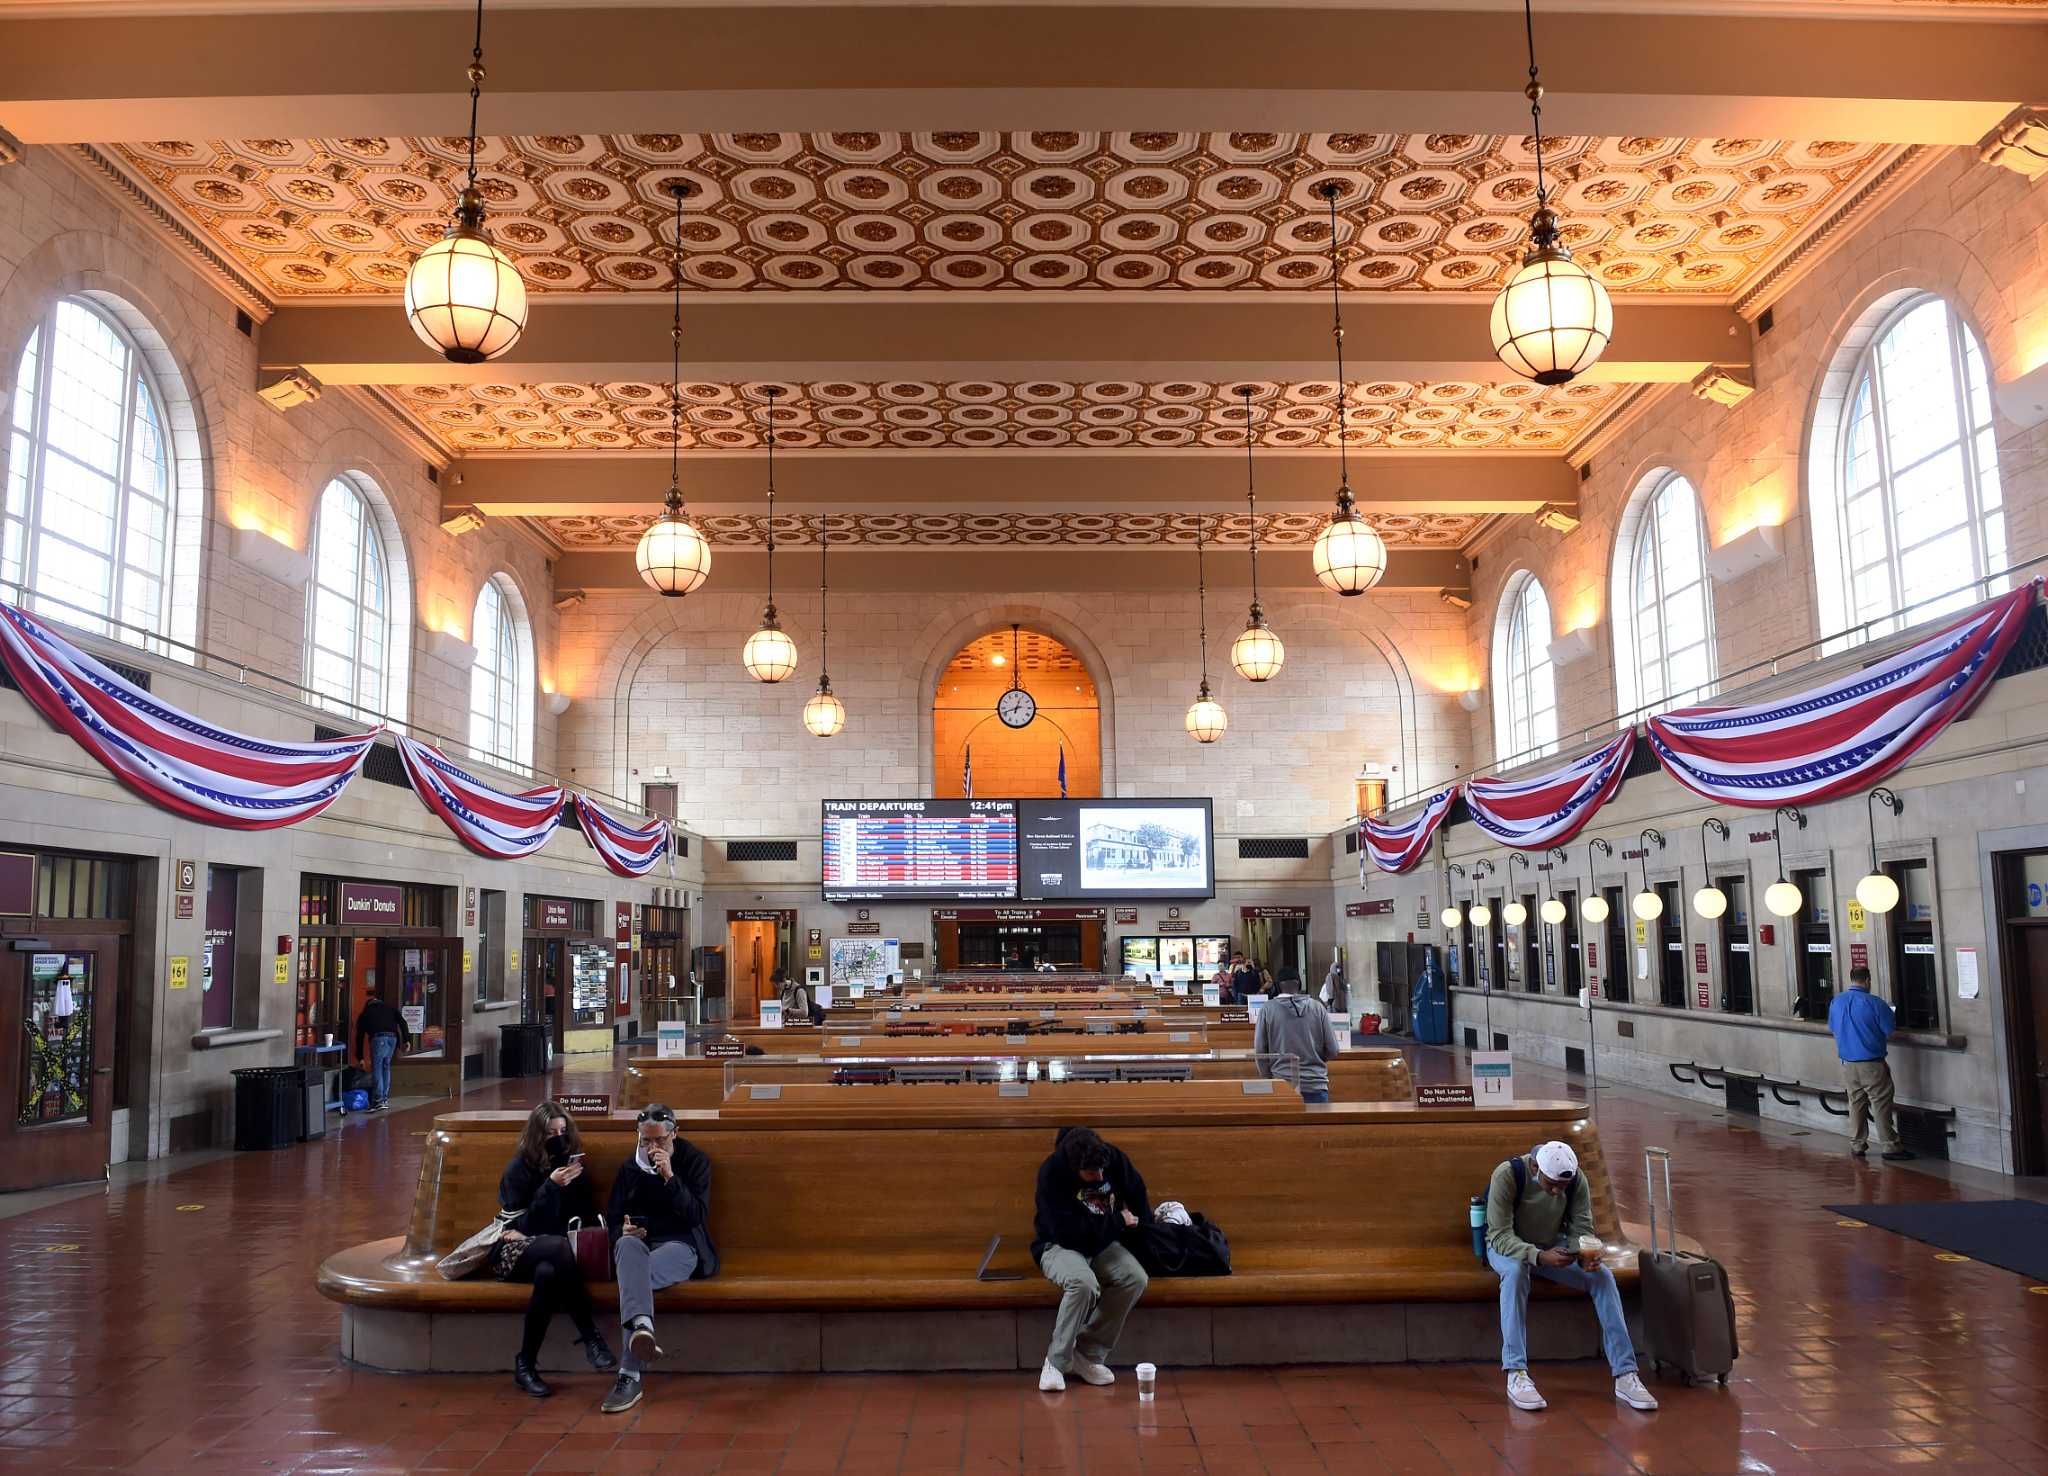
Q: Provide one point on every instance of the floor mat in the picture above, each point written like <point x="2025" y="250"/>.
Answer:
<point x="2012" y="1233"/>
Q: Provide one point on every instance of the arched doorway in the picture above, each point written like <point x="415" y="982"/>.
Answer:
<point x="1021" y="762"/>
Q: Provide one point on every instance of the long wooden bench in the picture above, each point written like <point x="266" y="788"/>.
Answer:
<point x="851" y="1241"/>
<point x="1050" y="1103"/>
<point x="1371" y="1074"/>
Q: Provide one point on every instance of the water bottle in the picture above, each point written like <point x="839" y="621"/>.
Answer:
<point x="1479" y="1226"/>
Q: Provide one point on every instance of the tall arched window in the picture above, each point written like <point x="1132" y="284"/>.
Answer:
<point x="90" y="527"/>
<point x="1665" y="653"/>
<point x="1524" y="684"/>
<point x="351" y="627"/>
<point x="1916" y="510"/>
<point x="501" y="682"/>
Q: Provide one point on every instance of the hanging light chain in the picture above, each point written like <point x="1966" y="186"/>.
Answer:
<point x="476" y="87"/>
<point x="772" y="391"/>
<point x="1202" y="602"/>
<point x="1534" y="92"/>
<point x="675" y="361"/>
<point x="1330" y="191"/>
<point x="824" y="628"/>
<point x="1251" y="492"/>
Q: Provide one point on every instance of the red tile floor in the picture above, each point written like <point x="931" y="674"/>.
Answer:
<point x="170" y="1324"/>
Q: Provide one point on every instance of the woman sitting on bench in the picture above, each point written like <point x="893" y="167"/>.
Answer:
<point x="546" y="1183"/>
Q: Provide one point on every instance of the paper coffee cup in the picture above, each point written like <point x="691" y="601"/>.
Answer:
<point x="1590" y="1247"/>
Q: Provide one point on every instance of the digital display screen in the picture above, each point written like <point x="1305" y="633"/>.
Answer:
<point x="1115" y="848"/>
<point x="917" y="850"/>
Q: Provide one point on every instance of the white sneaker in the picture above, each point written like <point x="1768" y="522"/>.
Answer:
<point x="1097" y="1374"/>
<point x="1051" y="1380"/>
<point x="1522" y="1392"/>
<point x="1630" y="1391"/>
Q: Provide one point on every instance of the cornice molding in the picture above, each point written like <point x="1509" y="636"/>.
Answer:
<point x="162" y="221"/>
<point x="1821" y="239"/>
<point x="1614" y="419"/>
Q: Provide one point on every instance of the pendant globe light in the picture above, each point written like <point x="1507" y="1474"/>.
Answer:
<point x="673" y="556"/>
<point x="463" y="296"/>
<point x="769" y="654"/>
<point x="1206" y="717"/>
<point x="1878" y="891"/>
<point x="1349" y="557"/>
<point x="824" y="714"/>
<point x="1552" y="320"/>
<point x="1256" y="654"/>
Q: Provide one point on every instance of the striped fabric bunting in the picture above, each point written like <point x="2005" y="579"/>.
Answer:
<point x="489" y="821"/>
<point x="169" y="757"/>
<point x="1548" y="809"/>
<point x="1396" y="848"/>
<point x="1849" y="734"/>
<point x="627" y="850"/>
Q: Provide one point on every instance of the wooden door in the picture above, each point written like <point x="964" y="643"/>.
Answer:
<point x="2026" y="985"/>
<point x="57" y="1061"/>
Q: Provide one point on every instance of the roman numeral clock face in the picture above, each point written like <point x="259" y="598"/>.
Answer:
<point x="1017" y="707"/>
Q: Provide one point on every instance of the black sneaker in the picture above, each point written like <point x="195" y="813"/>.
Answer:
<point x="640" y="1343"/>
<point x="625" y="1394"/>
<point x="599" y="1352"/>
<point x="527" y="1379"/>
<point x="1900" y="1155"/>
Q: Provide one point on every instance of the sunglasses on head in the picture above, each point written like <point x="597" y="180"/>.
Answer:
<point x="656" y="1114"/>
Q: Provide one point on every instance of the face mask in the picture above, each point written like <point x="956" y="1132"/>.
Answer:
<point x="557" y="1147"/>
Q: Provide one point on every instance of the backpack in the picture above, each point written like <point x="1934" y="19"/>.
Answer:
<point x="1478" y="1221"/>
<point x="1198" y="1249"/>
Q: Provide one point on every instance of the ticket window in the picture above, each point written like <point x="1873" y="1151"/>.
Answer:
<point x="1916" y="980"/>
<point x="1620" y="956"/>
<point x="1813" y="958"/>
<point x="1458" y="956"/>
<point x="1738" y="980"/>
<point x="1669" y="933"/>
<point x="1574" y="964"/>
<point x="1497" y="947"/>
<point x="1532" y="962"/>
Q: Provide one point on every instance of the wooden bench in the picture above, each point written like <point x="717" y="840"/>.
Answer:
<point x="1371" y="1074"/>
<point x="1047" y="1103"/>
<point x="850" y="1241"/>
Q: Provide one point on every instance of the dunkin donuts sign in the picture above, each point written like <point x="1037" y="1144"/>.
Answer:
<point x="362" y="902"/>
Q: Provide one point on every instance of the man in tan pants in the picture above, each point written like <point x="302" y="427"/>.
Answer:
<point x="1862" y="1025"/>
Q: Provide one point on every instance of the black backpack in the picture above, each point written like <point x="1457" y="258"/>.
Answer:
<point x="1521" y="1172"/>
<point x="1199" y="1249"/>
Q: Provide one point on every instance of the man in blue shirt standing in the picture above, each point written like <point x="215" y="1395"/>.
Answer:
<point x="1861" y="1023"/>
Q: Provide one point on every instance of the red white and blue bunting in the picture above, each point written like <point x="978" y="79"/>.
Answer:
<point x="166" y="755"/>
<point x="1849" y="734"/>
<point x="1545" y="810"/>
<point x="627" y="850"/>
<point x="489" y="821"/>
<point x="1397" y="848"/>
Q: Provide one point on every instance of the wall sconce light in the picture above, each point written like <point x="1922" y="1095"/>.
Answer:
<point x="1783" y="898"/>
<point x="1877" y="891"/>
<point x="1745" y="553"/>
<point x="1710" y="901"/>
<point x="1594" y="909"/>
<point x="272" y="557"/>
<point x="1553" y="910"/>
<point x="559" y="702"/>
<point x="1647" y="905"/>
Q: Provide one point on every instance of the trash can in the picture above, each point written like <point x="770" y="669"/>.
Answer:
<point x="314" y="1124"/>
<point x="269" y="1106"/>
<point x="522" y="1050"/>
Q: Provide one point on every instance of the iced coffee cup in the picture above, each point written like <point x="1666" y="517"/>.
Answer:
<point x="1589" y="1251"/>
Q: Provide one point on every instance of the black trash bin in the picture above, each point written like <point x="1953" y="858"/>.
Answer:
<point x="270" y="1105"/>
<point x="522" y="1050"/>
<point x="313" y="1121"/>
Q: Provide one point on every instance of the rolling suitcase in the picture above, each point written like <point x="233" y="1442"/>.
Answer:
<point x="1688" y="1312"/>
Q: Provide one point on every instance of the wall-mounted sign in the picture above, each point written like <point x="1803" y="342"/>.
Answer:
<point x="1174" y="925"/>
<point x="757" y="914"/>
<point x="281" y="969"/>
<point x="373" y="903"/>
<point x="864" y="929"/>
<point x="1127" y="914"/>
<point x="1029" y="914"/>
<point x="1699" y="958"/>
<point x="1273" y="912"/>
<point x="814" y="936"/>
<point x="188" y="876"/>
<point x="554" y="912"/>
<point x="468" y="962"/>
<point x="1371" y="907"/>
<point x="1857" y="919"/>
<point x="181" y="972"/>
<point x="183" y="908"/>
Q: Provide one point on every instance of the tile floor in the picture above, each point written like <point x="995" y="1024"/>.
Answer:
<point x="169" y="1324"/>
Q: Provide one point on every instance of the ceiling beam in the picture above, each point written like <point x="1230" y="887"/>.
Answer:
<point x="735" y="337"/>
<point x="1014" y="570"/>
<point x="568" y="484"/>
<point x="575" y="68"/>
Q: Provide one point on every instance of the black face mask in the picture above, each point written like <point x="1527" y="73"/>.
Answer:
<point x="557" y="1148"/>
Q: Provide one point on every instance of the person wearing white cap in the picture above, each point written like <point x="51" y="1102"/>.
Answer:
<point x="1539" y="1222"/>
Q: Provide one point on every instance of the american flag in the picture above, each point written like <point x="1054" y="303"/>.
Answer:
<point x="1548" y="809"/>
<point x="489" y="821"/>
<point x="627" y="850"/>
<point x="1396" y="848"/>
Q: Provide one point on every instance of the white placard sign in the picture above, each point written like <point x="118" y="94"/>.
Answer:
<point x="1966" y="973"/>
<point x="1493" y="1079"/>
<point x="1212" y="997"/>
<point x="671" y="1039"/>
<point x="771" y="1014"/>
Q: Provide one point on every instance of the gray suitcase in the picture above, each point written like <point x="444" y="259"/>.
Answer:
<point x="1688" y="1311"/>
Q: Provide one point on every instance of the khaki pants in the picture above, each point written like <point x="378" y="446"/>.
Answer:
<point x="1870" y="1094"/>
<point x="1095" y="1298"/>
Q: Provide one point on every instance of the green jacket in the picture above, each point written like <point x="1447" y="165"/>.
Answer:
<point x="1542" y="1221"/>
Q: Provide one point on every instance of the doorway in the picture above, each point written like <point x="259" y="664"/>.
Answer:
<point x="57" y="1066"/>
<point x="2022" y="895"/>
<point x="756" y="946"/>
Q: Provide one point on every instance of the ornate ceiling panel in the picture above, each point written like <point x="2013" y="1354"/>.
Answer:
<point x="1441" y="212"/>
<point x="918" y="414"/>
<point x="987" y="530"/>
<point x="1033" y="651"/>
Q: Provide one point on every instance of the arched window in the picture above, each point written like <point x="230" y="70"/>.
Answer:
<point x="1916" y="509"/>
<point x="1524" y="684"/>
<point x="91" y="526"/>
<point x="351" y="619"/>
<point x="1665" y="653"/>
<point x="501" y="682"/>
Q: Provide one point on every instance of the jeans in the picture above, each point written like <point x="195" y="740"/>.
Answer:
<point x="1514" y="1310"/>
<point x="1095" y="1298"/>
<point x="382" y="1049"/>
<point x="642" y="1272"/>
<point x="1313" y="1095"/>
<point x="1870" y="1095"/>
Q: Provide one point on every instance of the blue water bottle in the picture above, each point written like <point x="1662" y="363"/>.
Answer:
<point x="1479" y="1226"/>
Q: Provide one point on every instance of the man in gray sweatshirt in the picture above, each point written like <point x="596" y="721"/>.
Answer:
<point x="1292" y="1024"/>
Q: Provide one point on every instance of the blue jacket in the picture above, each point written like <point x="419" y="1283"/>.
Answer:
<point x="1859" y="1021"/>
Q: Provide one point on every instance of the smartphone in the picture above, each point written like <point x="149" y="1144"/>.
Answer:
<point x="578" y="1157"/>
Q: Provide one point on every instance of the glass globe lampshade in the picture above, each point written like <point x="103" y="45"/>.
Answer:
<point x="1552" y="320"/>
<point x="1594" y="909"/>
<point x="1482" y="915"/>
<point x="1349" y="557"/>
<point x="824" y="714"/>
<point x="769" y="654"/>
<point x="1514" y="914"/>
<point x="1710" y="902"/>
<point x="1256" y="654"/>
<point x="1647" y="905"/>
<point x="1782" y="898"/>
<point x="673" y="557"/>
<point x="1553" y="911"/>
<point x="1878" y="892"/>
<point x="1206" y="717"/>
<point x="1451" y="917"/>
<point x="463" y="296"/>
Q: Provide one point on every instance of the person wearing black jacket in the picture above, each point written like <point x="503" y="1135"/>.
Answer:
<point x="1091" y="1211"/>
<point x="385" y="1030"/>
<point x="544" y="1187"/>
<point x="659" y="1215"/>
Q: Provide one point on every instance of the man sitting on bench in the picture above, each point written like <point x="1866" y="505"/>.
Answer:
<point x="1539" y="1222"/>
<point x="1089" y="1201"/>
<point x="658" y="1213"/>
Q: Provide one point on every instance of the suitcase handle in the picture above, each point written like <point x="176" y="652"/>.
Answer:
<point x="1651" y="1157"/>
